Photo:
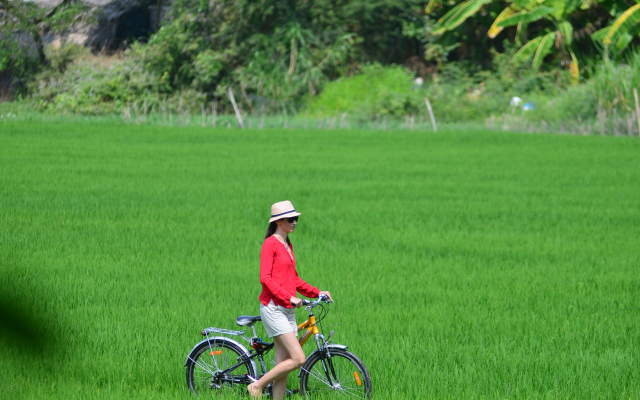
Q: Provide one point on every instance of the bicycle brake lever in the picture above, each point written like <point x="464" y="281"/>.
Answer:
<point x="325" y="298"/>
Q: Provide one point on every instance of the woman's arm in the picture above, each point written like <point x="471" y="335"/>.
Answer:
<point x="304" y="288"/>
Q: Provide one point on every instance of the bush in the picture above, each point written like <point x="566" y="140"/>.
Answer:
<point x="459" y="92"/>
<point x="60" y="58"/>
<point x="95" y="85"/>
<point x="614" y="81"/>
<point x="376" y="91"/>
<point x="18" y="59"/>
<point x="275" y="53"/>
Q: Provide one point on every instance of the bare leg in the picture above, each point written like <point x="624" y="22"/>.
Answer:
<point x="289" y="357"/>
<point x="280" y="385"/>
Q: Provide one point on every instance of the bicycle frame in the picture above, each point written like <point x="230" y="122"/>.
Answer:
<point x="311" y="327"/>
<point x="320" y="365"/>
<point x="259" y="348"/>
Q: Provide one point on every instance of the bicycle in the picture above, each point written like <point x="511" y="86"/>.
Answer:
<point x="220" y="364"/>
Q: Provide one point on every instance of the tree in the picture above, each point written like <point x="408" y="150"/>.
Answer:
<point x="552" y="24"/>
<point x="273" y="51"/>
<point x="557" y="36"/>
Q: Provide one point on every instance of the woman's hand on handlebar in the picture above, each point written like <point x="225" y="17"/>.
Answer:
<point x="297" y="303"/>
<point x="326" y="293"/>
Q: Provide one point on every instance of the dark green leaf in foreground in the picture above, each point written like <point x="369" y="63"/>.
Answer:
<point x="525" y="17"/>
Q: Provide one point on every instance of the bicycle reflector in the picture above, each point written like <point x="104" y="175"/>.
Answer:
<point x="355" y="373"/>
<point x="256" y="346"/>
<point x="215" y="353"/>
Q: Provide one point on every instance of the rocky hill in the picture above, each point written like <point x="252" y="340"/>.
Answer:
<point x="115" y="22"/>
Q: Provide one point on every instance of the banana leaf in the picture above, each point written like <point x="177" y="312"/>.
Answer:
<point x="431" y="5"/>
<point x="495" y="29"/>
<point x="458" y="14"/>
<point x="623" y="41"/>
<point x="574" y="68"/>
<point x="629" y="19"/>
<point x="543" y="49"/>
<point x="587" y="4"/>
<point x="598" y="35"/>
<point x="558" y="8"/>
<point x="571" y="5"/>
<point x="527" y="50"/>
<point x="526" y="17"/>
<point x="567" y="30"/>
<point x="614" y="8"/>
<point x="525" y="4"/>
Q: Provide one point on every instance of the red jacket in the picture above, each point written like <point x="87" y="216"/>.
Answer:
<point x="278" y="275"/>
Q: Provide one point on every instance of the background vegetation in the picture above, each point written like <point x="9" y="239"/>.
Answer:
<point x="465" y="264"/>
<point x="279" y="56"/>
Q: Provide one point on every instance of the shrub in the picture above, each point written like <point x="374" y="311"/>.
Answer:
<point x="95" y="86"/>
<point x="18" y="59"/>
<point x="60" y="58"/>
<point x="378" y="90"/>
<point x="614" y="81"/>
<point x="462" y="93"/>
<point x="459" y="92"/>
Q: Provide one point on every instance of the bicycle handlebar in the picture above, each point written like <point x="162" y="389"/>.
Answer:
<point x="321" y="298"/>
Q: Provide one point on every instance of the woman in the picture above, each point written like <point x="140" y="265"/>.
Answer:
<point x="280" y="281"/>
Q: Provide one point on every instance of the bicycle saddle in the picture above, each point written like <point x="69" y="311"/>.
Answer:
<point x="247" y="320"/>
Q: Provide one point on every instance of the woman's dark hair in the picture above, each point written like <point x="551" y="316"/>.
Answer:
<point x="271" y="229"/>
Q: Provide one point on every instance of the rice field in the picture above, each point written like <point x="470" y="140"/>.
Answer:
<point x="475" y="265"/>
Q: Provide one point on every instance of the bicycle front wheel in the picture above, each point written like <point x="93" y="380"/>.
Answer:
<point x="206" y="362"/>
<point x="342" y="374"/>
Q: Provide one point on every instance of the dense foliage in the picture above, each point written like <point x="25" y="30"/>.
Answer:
<point x="277" y="56"/>
<point x="275" y="51"/>
<point x="377" y="91"/>
<point x="456" y="94"/>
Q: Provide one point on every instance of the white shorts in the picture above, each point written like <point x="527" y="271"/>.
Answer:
<point x="278" y="320"/>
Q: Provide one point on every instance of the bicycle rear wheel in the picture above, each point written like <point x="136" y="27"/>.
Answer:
<point x="345" y="376"/>
<point x="210" y="358"/>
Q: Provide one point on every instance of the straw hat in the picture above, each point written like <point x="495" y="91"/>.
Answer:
<point x="283" y="209"/>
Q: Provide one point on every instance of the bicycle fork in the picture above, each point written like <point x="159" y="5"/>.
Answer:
<point x="326" y="360"/>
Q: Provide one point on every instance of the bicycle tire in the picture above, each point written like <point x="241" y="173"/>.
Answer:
<point x="351" y="378"/>
<point x="213" y="356"/>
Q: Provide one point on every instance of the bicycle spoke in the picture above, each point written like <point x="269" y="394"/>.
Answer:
<point x="341" y="392"/>
<point x="343" y="377"/>
<point x="212" y="357"/>
<point x="199" y="364"/>
<point x="208" y="368"/>
<point x="224" y="359"/>
<point x="318" y="376"/>
<point x="356" y="393"/>
<point x="215" y="357"/>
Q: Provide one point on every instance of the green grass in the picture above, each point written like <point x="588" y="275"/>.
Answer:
<point x="466" y="265"/>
